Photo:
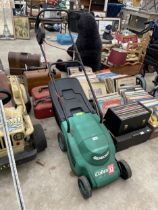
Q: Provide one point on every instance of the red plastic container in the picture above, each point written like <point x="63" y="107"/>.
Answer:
<point x="42" y="104"/>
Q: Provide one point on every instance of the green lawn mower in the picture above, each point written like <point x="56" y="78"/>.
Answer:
<point x="83" y="136"/>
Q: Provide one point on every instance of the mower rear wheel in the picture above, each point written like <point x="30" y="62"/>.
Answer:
<point x="62" y="142"/>
<point x="125" y="170"/>
<point x="38" y="138"/>
<point x="84" y="187"/>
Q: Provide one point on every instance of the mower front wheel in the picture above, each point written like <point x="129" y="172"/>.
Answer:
<point x="38" y="138"/>
<point x="84" y="187"/>
<point x="62" y="142"/>
<point x="125" y="170"/>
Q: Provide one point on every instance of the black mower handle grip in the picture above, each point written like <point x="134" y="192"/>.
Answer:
<point x="65" y="62"/>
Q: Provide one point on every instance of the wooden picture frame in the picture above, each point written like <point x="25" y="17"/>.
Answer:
<point x="102" y="23"/>
<point x="22" y="27"/>
<point x="6" y="20"/>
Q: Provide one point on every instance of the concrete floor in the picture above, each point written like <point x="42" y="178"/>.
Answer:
<point x="48" y="183"/>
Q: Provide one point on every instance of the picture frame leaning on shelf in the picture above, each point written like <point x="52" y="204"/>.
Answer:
<point x="6" y="20"/>
<point x="22" y="27"/>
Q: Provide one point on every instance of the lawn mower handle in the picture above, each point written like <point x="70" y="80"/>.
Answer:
<point x="38" y="20"/>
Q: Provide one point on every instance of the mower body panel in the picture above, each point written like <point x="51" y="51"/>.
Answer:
<point x="90" y="148"/>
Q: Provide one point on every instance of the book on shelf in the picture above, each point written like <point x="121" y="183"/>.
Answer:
<point x="134" y="93"/>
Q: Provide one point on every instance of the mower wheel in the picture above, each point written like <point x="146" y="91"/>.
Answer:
<point x="38" y="138"/>
<point x="141" y="81"/>
<point x="62" y="142"/>
<point x="84" y="187"/>
<point x="125" y="170"/>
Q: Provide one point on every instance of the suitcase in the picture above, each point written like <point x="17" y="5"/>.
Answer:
<point x="37" y="78"/>
<point x="117" y="57"/>
<point x="42" y="104"/>
<point x="18" y="61"/>
<point x="126" y="118"/>
<point x="131" y="139"/>
<point x="40" y="92"/>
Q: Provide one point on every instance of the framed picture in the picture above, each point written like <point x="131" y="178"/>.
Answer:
<point x="22" y="27"/>
<point x="6" y="20"/>
<point x="114" y="22"/>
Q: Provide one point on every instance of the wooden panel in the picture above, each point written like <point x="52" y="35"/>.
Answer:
<point x="97" y="5"/>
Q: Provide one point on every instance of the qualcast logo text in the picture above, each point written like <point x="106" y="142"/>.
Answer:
<point x="109" y="170"/>
<point x="101" y="157"/>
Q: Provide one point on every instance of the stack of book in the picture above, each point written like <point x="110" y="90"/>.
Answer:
<point x="110" y="100"/>
<point x="76" y="70"/>
<point x="114" y="81"/>
<point x="98" y="86"/>
<point x="133" y="93"/>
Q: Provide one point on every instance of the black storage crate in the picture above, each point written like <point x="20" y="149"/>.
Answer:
<point x="126" y="118"/>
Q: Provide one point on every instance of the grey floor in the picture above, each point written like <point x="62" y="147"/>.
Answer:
<point x="48" y="183"/>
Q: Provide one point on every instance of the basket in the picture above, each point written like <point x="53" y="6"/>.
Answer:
<point x="128" y="68"/>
